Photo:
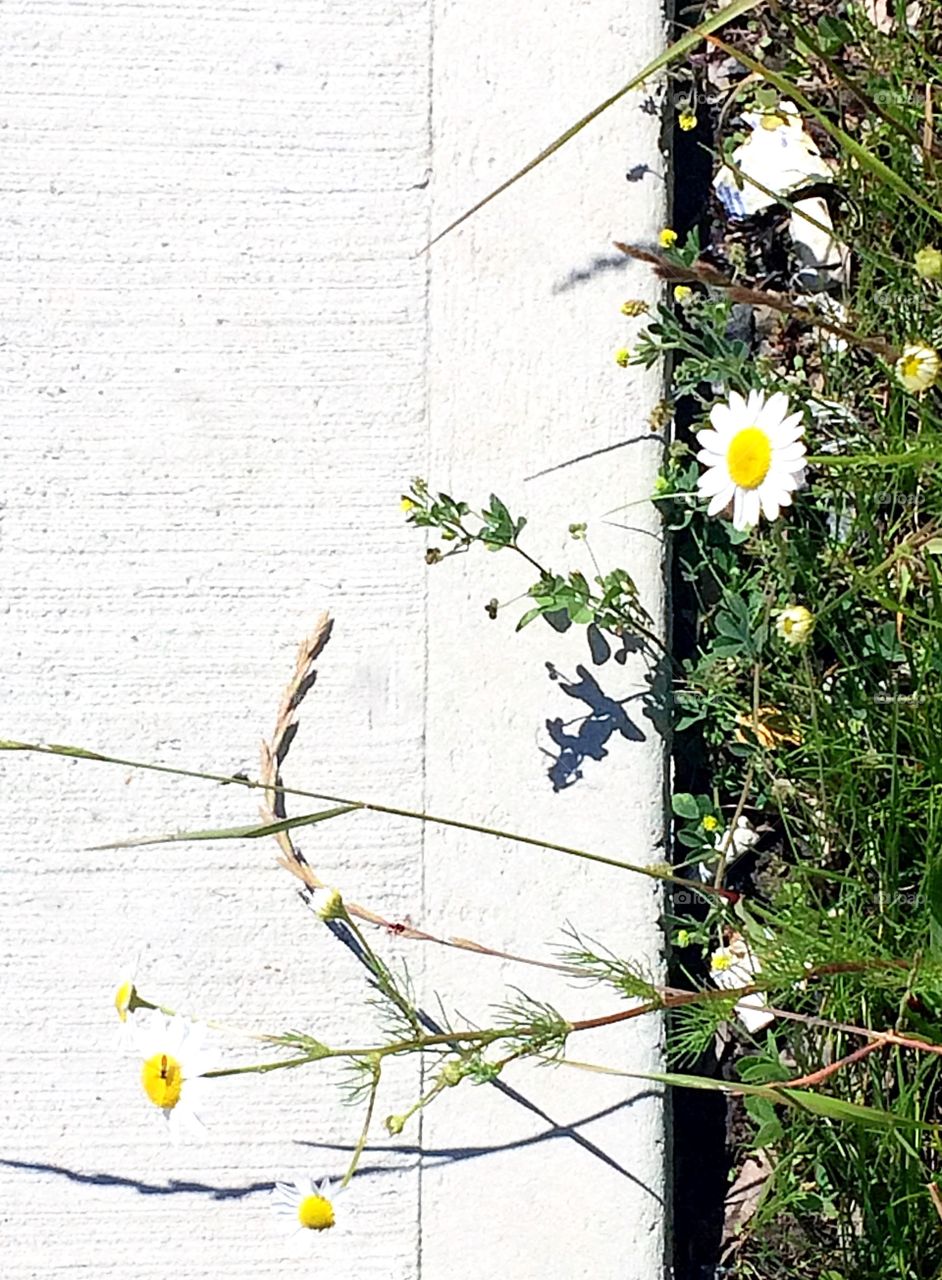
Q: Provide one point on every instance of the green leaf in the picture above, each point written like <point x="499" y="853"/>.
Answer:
<point x="580" y="613"/>
<point x="934" y="899"/>
<point x="529" y="616"/>
<point x="685" y="806"/>
<point x="821" y="1104"/>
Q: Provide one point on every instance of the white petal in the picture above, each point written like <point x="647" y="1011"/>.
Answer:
<point x="745" y="509"/>
<point x="754" y="407"/>
<point x="773" y="412"/>
<point x="770" y="507"/>
<point x="721" y="500"/>
<point x="713" y="481"/>
<point x="790" y="452"/>
<point x="711" y="440"/>
<point x="723" y="420"/>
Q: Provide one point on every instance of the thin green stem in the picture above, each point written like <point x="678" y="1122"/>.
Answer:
<point x="365" y="1131"/>
<point x="654" y="872"/>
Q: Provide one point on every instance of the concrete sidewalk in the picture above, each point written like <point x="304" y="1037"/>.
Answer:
<point x="225" y="357"/>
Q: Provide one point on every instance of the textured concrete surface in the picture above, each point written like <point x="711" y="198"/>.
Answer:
<point x="223" y="357"/>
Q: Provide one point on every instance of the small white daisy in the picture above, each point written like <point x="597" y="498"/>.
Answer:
<point x="744" y="838"/>
<point x="754" y="455"/>
<point x="918" y="367"/>
<point x="304" y="1206"/>
<point x="173" y="1059"/>
<point x="736" y="966"/>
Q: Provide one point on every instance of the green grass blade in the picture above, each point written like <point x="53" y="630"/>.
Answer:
<point x="254" y="832"/>
<point x="676" y="50"/>
<point x="806" y="1099"/>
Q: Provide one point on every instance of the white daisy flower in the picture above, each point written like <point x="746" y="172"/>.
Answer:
<point x="744" y="838"/>
<point x="304" y="1206"/>
<point x="754" y="455"/>
<point x="918" y="367"/>
<point x="174" y="1058"/>
<point x="736" y="966"/>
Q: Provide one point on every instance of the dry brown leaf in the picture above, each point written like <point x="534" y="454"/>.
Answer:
<point x="742" y="1199"/>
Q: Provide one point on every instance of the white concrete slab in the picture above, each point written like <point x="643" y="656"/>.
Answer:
<point x="222" y="359"/>
<point x="526" y="400"/>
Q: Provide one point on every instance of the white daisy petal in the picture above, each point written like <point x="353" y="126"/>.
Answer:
<point x="710" y="440"/>
<point x="770" y="507"/>
<point x="721" y="501"/>
<point x="712" y="482"/>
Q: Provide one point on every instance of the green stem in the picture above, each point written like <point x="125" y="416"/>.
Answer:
<point x="365" y="1131"/>
<point x="653" y="873"/>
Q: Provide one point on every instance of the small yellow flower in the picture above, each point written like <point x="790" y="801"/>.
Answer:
<point x="687" y="121"/>
<point x="918" y="367"/>
<point x="769" y="727"/>
<point x="622" y="356"/>
<point x="125" y="999"/>
<point x="928" y="263"/>
<point x="667" y="238"/>
<point x="682" y="292"/>
<point x="406" y="504"/>
<point x="795" y="624"/>
<point x="709" y="822"/>
<point x="634" y="307"/>
<point x="720" y="960"/>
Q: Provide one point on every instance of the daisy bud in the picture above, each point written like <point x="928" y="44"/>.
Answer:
<point x="795" y="624"/>
<point x="328" y="904"/>
<point x="928" y="263"/>
<point x="452" y="1073"/>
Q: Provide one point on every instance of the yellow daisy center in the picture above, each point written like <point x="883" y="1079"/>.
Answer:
<point x="162" y="1078"/>
<point x="748" y="457"/>
<point x="316" y="1213"/>
<point x="912" y="366"/>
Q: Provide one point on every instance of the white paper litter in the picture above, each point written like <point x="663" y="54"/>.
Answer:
<point x="778" y="157"/>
